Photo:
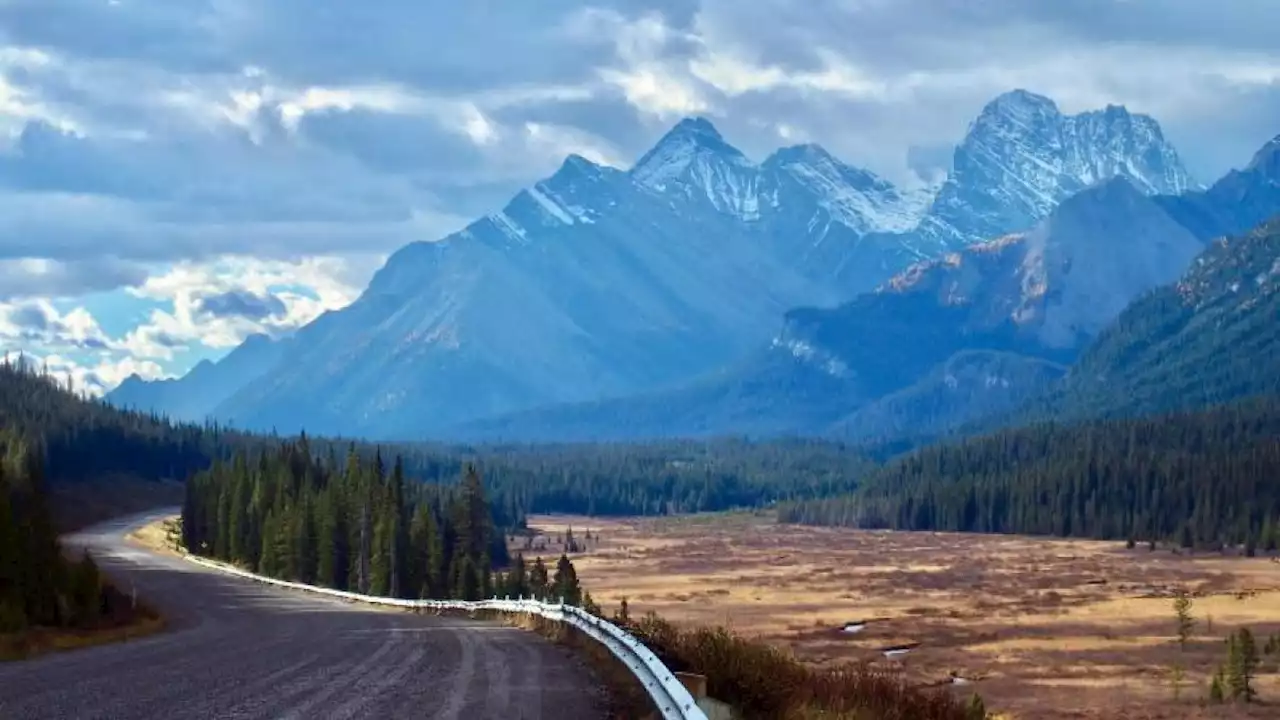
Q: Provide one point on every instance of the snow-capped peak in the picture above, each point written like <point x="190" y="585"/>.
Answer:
<point x="1018" y="103"/>
<point x="1022" y="156"/>
<point x="855" y="197"/>
<point x="693" y="141"/>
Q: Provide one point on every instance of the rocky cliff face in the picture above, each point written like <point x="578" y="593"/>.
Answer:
<point x="1022" y="156"/>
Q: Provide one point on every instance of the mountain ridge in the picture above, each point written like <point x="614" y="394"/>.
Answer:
<point x="626" y="282"/>
<point x="891" y="346"/>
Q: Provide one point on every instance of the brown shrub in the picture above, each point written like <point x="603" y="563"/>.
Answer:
<point x="767" y="682"/>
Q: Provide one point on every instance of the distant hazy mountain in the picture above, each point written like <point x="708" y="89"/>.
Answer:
<point x="599" y="283"/>
<point x="194" y="396"/>
<point x="594" y="282"/>
<point x="1237" y="203"/>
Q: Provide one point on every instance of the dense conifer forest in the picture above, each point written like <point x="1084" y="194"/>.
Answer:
<point x="658" y="478"/>
<point x="85" y="440"/>
<point x="39" y="587"/>
<point x="1202" y="478"/>
<point x="357" y="526"/>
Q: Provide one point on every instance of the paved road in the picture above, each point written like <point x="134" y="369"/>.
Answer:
<point x="240" y="649"/>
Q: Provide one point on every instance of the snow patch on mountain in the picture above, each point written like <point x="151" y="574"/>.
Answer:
<point x="694" y="161"/>
<point x="855" y="197"/>
<point x="1022" y="156"/>
<point x="817" y="357"/>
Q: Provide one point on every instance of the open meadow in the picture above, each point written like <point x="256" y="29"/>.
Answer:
<point x="1041" y="627"/>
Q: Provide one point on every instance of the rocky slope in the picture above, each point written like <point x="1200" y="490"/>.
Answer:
<point x="1022" y="156"/>
<point x="600" y="283"/>
<point x="1211" y="337"/>
<point x="1041" y="295"/>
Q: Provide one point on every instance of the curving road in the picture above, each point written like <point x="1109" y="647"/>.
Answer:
<point x="239" y="649"/>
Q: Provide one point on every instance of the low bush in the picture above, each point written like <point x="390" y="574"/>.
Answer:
<point x="767" y="682"/>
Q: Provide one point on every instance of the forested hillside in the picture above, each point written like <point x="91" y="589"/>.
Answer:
<point x="649" y="478"/>
<point x="1200" y="478"/>
<point x="1211" y="337"/>
<point x="86" y="440"/>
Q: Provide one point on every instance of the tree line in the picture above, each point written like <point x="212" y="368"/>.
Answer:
<point x="1203" y="478"/>
<point x="359" y="525"/>
<point x="87" y="439"/>
<point x="651" y="478"/>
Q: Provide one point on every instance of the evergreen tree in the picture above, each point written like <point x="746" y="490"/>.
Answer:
<point x="1242" y="665"/>
<point x="565" y="586"/>
<point x="539" y="582"/>
<point x="517" y="578"/>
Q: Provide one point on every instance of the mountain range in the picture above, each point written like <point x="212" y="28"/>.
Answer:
<point x="602" y="302"/>
<point x="967" y="338"/>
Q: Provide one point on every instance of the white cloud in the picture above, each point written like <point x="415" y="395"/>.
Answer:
<point x="293" y="293"/>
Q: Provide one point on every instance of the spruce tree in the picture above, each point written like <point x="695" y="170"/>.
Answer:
<point x="565" y="586"/>
<point x="539" y="583"/>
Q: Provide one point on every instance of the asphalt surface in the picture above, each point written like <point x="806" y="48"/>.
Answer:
<point x="239" y="649"/>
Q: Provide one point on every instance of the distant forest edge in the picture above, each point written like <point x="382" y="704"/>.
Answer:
<point x="1200" y="477"/>
<point x="1206" y="478"/>
<point x="105" y="461"/>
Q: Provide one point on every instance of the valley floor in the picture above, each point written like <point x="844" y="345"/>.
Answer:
<point x="1043" y="628"/>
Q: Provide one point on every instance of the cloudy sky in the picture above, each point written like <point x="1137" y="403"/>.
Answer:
<point x="177" y="174"/>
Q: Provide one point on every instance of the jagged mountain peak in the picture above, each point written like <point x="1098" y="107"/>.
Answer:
<point x="1267" y="159"/>
<point x="1023" y="156"/>
<point x="577" y="172"/>
<point x="575" y="165"/>
<point x="1019" y="102"/>
<point x="805" y="152"/>
<point x="696" y="127"/>
<point x="691" y="142"/>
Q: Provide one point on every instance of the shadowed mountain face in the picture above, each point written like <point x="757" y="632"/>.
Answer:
<point x="598" y="283"/>
<point x="1211" y="337"/>
<point x="1016" y="308"/>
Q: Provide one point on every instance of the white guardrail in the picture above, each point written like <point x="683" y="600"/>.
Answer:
<point x="673" y="700"/>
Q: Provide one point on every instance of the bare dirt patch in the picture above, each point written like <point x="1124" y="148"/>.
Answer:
<point x="162" y="536"/>
<point x="1043" y="628"/>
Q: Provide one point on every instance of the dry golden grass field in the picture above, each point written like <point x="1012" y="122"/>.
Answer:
<point x="1043" y="628"/>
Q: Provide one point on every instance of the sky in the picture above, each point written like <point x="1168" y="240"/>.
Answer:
<point x="176" y="175"/>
